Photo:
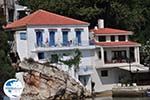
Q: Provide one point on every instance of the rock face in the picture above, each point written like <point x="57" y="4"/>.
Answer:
<point x="46" y="82"/>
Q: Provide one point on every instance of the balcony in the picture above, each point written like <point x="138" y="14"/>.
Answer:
<point x="118" y="61"/>
<point x="109" y="64"/>
<point x="60" y="46"/>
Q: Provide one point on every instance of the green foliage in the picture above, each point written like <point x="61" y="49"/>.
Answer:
<point x="54" y="58"/>
<point x="145" y="54"/>
<point x="131" y="15"/>
<point x="6" y="71"/>
<point x="74" y="60"/>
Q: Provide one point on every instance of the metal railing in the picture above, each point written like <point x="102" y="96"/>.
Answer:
<point x="68" y="44"/>
<point x="118" y="61"/>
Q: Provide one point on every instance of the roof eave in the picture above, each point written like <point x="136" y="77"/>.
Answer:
<point x="128" y="33"/>
<point x="137" y="45"/>
<point x="15" y="28"/>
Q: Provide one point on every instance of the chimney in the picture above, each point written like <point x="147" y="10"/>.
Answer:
<point x="100" y="23"/>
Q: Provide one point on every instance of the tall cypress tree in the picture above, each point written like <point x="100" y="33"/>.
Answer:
<point x="6" y="71"/>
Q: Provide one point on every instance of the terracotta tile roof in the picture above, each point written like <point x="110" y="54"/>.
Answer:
<point x="42" y="17"/>
<point x="118" y="44"/>
<point x="110" y="31"/>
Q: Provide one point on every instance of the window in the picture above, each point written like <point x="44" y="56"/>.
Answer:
<point x="39" y="38"/>
<point x="99" y="54"/>
<point x="78" y="36"/>
<point x="104" y="73"/>
<point x="23" y="36"/>
<point x="65" y="38"/>
<point x="121" y="37"/>
<point x="112" y="38"/>
<point x="102" y="38"/>
<point x="52" y="38"/>
<point x="118" y="55"/>
<point x="41" y="55"/>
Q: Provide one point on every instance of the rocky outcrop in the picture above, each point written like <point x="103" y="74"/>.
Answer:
<point x="46" y="82"/>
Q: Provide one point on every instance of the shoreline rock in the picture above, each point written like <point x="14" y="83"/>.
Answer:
<point x="46" y="82"/>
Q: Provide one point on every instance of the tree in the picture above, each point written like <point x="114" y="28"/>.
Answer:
<point x="133" y="15"/>
<point x="74" y="61"/>
<point x="6" y="71"/>
<point x="130" y="15"/>
<point x="145" y="54"/>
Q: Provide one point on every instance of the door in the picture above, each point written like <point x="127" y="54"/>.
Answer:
<point x="78" y="36"/>
<point x="39" y="38"/>
<point x="65" y="38"/>
<point x="52" y="38"/>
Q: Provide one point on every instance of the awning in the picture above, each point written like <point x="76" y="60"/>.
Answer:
<point x="135" y="68"/>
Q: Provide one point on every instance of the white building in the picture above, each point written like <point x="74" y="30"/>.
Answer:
<point x="115" y="57"/>
<point x="41" y="35"/>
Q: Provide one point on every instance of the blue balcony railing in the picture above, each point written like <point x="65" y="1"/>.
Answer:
<point x="68" y="44"/>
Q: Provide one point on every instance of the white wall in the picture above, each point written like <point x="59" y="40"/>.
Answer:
<point x="58" y="36"/>
<point x="107" y="83"/>
<point x="87" y="56"/>
<point x="21" y="46"/>
<point x="108" y="39"/>
<point x="97" y="63"/>
<point x="86" y="60"/>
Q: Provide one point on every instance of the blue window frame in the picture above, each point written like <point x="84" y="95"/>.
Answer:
<point x="52" y="38"/>
<point x="78" y="36"/>
<point x="41" y="55"/>
<point x="39" y="38"/>
<point x="23" y="36"/>
<point x="65" y="38"/>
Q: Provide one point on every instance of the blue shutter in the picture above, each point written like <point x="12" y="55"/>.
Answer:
<point x="65" y="38"/>
<point x="52" y="38"/>
<point x="78" y="36"/>
<point x="39" y="38"/>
